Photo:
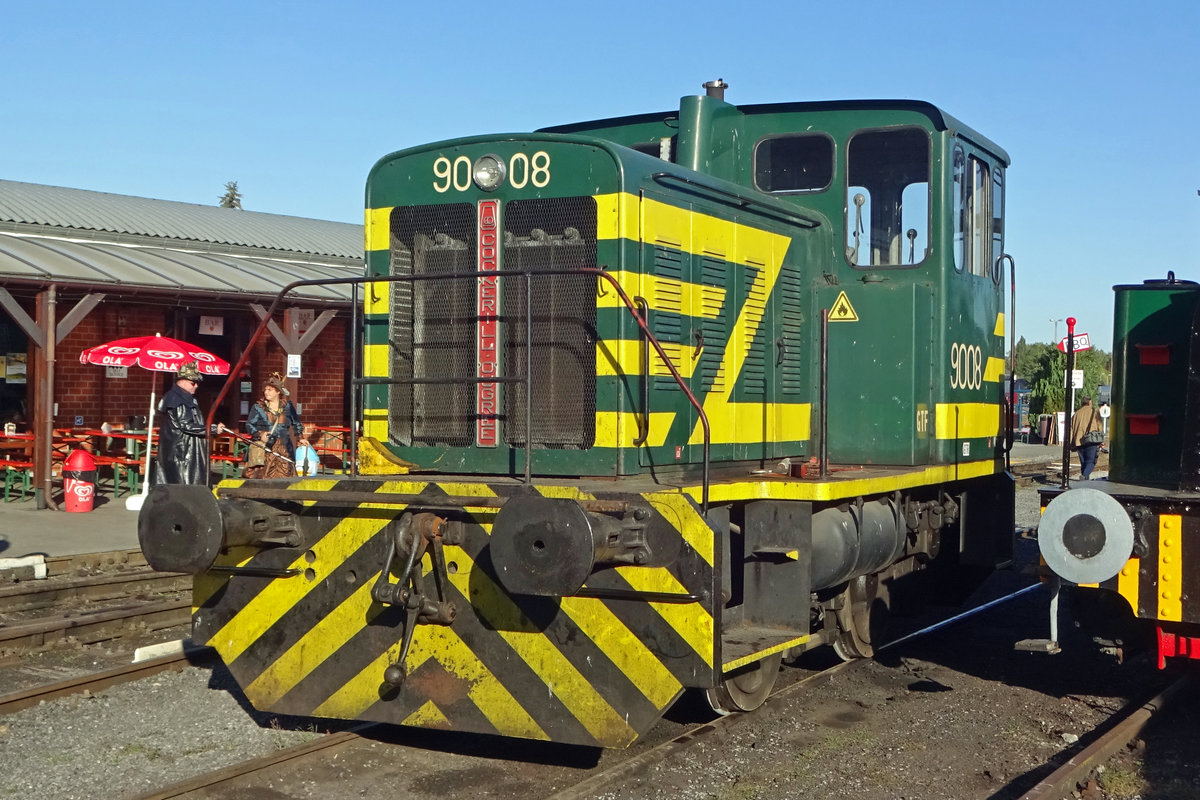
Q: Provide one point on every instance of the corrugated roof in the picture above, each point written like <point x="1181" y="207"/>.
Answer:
<point x="81" y="210"/>
<point x="43" y="260"/>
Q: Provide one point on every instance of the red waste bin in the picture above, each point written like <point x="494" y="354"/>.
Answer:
<point x="79" y="481"/>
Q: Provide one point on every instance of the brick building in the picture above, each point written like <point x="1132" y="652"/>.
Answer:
<point x="105" y="267"/>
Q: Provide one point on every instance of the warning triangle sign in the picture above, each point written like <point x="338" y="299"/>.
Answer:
<point x="842" y="311"/>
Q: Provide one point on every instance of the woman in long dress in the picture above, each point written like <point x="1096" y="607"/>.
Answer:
<point x="274" y="422"/>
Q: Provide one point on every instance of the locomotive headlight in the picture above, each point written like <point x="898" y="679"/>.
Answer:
<point x="489" y="172"/>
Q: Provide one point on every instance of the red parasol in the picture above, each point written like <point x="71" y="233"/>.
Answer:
<point x="156" y="352"/>
<point x="159" y="354"/>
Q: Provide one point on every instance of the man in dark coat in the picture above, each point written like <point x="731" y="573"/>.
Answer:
<point x="182" y="440"/>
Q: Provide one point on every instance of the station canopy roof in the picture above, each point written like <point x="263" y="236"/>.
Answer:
<point x="95" y="240"/>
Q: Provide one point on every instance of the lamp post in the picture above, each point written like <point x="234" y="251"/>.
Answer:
<point x="1056" y="321"/>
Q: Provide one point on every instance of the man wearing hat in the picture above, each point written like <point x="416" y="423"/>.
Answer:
<point x="182" y="439"/>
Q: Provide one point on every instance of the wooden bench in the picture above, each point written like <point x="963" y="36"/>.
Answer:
<point x="18" y="474"/>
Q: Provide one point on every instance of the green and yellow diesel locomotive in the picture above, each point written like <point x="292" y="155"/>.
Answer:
<point x="648" y="404"/>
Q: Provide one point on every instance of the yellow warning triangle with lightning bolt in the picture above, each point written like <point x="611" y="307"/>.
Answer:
<point x="842" y="311"/>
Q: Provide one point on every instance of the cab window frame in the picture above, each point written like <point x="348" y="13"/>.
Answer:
<point x="977" y="212"/>
<point x="796" y="135"/>
<point x="903" y="245"/>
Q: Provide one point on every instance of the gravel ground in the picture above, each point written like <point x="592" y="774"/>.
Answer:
<point x="132" y="738"/>
<point x="963" y="718"/>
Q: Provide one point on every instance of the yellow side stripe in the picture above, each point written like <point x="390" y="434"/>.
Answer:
<point x="752" y="423"/>
<point x="999" y="331"/>
<point x="966" y="420"/>
<point x="690" y="231"/>
<point x="375" y="423"/>
<point x="624" y="357"/>
<point x="1170" y="567"/>
<point x="377" y="228"/>
<point x="619" y="429"/>
<point x="375" y="361"/>
<point x="730" y="666"/>
<point x="842" y="488"/>
<point x="207" y="584"/>
<point x="994" y="370"/>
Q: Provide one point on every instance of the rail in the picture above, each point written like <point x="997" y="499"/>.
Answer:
<point x="528" y="275"/>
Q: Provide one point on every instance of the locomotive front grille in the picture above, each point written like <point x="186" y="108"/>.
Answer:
<point x="434" y="326"/>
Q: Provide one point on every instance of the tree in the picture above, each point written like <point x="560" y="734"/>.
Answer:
<point x="232" y="197"/>
<point x="1047" y="392"/>
<point x="1028" y="357"/>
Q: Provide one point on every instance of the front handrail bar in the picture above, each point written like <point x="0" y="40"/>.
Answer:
<point x="600" y="272"/>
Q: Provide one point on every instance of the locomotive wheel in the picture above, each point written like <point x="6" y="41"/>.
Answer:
<point x="863" y="611"/>
<point x="745" y="689"/>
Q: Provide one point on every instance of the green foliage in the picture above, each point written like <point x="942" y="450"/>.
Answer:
<point x="1043" y="368"/>
<point x="232" y="197"/>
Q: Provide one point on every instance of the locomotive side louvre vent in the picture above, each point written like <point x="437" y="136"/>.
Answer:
<point x="431" y="325"/>
<point x="714" y="272"/>
<point x="755" y="370"/>
<point x="668" y="305"/>
<point x="553" y="233"/>
<point x="791" y="364"/>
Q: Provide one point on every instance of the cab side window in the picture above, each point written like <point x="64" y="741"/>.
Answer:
<point x="887" y="198"/>
<point x="793" y="163"/>
<point x="974" y="224"/>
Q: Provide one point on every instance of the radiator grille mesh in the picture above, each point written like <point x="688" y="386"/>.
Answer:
<point x="551" y="234"/>
<point x="432" y="324"/>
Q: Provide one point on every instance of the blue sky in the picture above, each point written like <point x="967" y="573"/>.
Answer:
<point x="1097" y="103"/>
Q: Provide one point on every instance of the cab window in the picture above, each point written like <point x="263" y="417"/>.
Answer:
<point x="794" y="163"/>
<point x="887" y="198"/>
<point x="976" y="230"/>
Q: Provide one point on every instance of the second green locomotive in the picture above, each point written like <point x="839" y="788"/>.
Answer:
<point x="1129" y="547"/>
<point x="610" y="450"/>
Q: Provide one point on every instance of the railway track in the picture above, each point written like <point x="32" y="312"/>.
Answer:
<point x="90" y="598"/>
<point x="1127" y="726"/>
<point x="612" y="771"/>
<point x="16" y="701"/>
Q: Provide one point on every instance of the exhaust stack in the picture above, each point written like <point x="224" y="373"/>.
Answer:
<point x="716" y="89"/>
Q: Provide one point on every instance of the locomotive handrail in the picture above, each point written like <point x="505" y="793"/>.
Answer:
<point x="1010" y="400"/>
<point x="601" y="272"/>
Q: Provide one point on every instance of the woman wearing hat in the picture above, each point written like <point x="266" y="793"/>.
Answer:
<point x="182" y="443"/>
<point x="275" y="423"/>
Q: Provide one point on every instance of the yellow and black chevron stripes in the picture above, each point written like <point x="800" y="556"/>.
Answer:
<point x="580" y="669"/>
